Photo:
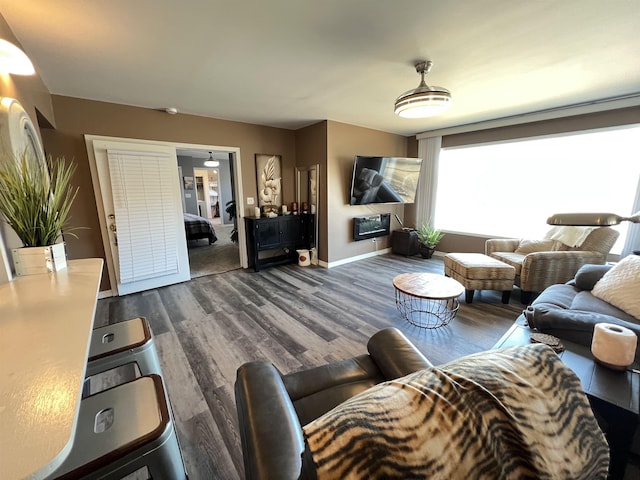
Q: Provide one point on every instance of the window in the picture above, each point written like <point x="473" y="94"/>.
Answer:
<point x="510" y="189"/>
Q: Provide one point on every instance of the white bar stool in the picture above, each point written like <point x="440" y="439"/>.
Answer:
<point x="124" y="429"/>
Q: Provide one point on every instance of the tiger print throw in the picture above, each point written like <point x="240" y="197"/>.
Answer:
<point x="515" y="413"/>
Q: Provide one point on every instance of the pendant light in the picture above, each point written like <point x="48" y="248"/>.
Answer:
<point x="211" y="162"/>
<point x="423" y="101"/>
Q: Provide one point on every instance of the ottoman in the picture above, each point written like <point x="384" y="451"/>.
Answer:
<point x="476" y="271"/>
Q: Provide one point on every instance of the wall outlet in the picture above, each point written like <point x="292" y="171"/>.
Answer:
<point x="250" y="201"/>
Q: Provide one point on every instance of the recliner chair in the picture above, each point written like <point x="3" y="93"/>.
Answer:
<point x="425" y="424"/>
<point x="537" y="269"/>
<point x="273" y="407"/>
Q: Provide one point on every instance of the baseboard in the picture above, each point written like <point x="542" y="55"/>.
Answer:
<point x="359" y="257"/>
<point x="105" y="294"/>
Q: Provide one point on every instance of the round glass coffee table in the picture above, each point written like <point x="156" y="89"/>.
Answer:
<point x="427" y="300"/>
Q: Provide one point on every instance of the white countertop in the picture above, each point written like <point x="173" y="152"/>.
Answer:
<point x="45" y="328"/>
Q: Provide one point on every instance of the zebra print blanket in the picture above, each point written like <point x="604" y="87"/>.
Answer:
<point x="516" y="413"/>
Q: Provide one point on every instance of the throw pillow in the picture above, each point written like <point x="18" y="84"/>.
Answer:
<point x="530" y="246"/>
<point x="620" y="286"/>
<point x="518" y="412"/>
<point x="587" y="275"/>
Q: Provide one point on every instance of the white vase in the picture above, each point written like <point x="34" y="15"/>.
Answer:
<point x="38" y="260"/>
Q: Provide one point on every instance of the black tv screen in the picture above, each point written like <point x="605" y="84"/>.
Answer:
<point x="384" y="180"/>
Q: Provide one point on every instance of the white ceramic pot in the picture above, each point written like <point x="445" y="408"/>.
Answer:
<point x="38" y="260"/>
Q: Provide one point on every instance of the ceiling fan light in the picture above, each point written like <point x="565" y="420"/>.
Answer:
<point x="423" y="101"/>
<point x="13" y="60"/>
<point x="420" y="103"/>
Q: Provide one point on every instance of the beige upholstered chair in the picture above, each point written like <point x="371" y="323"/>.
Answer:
<point x="540" y="264"/>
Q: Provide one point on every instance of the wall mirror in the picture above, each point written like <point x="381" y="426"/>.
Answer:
<point x="307" y="192"/>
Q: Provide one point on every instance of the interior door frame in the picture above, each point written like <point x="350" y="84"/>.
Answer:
<point x="238" y="192"/>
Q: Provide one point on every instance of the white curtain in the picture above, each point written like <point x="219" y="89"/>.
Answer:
<point x="633" y="233"/>
<point x="429" y="152"/>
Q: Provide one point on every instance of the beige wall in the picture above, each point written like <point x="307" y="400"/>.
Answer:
<point x="344" y="142"/>
<point x="410" y="213"/>
<point x="311" y="149"/>
<point x="76" y="117"/>
<point x="455" y="242"/>
<point x="611" y="118"/>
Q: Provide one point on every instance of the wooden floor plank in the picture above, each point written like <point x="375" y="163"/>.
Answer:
<point x="184" y="391"/>
<point x="203" y="450"/>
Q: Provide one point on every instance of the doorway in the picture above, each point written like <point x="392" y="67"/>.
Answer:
<point x="210" y="199"/>
<point x="207" y="194"/>
<point x="109" y="238"/>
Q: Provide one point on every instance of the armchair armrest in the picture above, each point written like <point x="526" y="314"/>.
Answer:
<point x="395" y="355"/>
<point x="541" y="269"/>
<point x="272" y="449"/>
<point x="501" y="245"/>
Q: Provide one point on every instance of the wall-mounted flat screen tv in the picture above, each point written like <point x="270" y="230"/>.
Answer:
<point x="384" y="180"/>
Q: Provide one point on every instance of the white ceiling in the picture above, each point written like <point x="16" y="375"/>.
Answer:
<point x="291" y="63"/>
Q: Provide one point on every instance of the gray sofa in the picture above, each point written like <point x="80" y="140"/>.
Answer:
<point x="569" y="311"/>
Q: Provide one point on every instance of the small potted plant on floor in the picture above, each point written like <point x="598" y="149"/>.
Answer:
<point x="428" y="238"/>
<point x="35" y="200"/>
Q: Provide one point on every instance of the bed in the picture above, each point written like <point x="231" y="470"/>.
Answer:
<point x="197" y="227"/>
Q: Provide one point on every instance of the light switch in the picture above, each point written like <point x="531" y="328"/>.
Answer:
<point x="187" y="195"/>
<point x="250" y="201"/>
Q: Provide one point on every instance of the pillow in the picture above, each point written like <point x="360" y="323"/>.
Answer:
<point x="620" y="286"/>
<point x="530" y="246"/>
<point x="561" y="247"/>
<point x="518" y="410"/>
<point x="588" y="274"/>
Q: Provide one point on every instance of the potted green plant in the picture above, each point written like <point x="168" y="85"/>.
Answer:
<point x="428" y="239"/>
<point x="35" y="200"/>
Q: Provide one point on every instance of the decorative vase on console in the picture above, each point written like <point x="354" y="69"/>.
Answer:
<point x="35" y="200"/>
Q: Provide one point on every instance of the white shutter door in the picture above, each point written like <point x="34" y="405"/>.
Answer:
<point x="142" y="185"/>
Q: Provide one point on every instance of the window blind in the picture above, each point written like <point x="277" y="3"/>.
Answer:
<point x="145" y="214"/>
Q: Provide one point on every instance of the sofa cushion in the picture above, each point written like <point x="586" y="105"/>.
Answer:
<point x="585" y="301"/>
<point x="318" y="390"/>
<point x="620" y="286"/>
<point x="559" y="296"/>
<point x="517" y="412"/>
<point x="510" y="258"/>
<point x="530" y="246"/>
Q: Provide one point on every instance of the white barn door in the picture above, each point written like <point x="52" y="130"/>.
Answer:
<point x="143" y="226"/>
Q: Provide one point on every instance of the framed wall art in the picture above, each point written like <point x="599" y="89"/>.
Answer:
<point x="188" y="183"/>
<point x="269" y="181"/>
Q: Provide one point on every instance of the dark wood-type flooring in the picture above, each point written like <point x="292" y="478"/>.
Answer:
<point x="296" y="318"/>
